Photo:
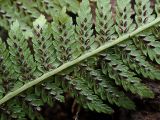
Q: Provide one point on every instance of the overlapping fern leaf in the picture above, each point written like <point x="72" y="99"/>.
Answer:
<point x="49" y="54"/>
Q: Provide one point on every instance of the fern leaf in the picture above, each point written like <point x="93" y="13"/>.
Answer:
<point x="7" y="7"/>
<point x="20" y="54"/>
<point x="86" y="96"/>
<point x="43" y="46"/>
<point x="123" y="76"/>
<point x="6" y="85"/>
<point x="143" y="12"/>
<point x="79" y="59"/>
<point x="6" y="18"/>
<point x="104" y="22"/>
<point x="23" y="9"/>
<point x="64" y="38"/>
<point x="22" y="60"/>
<point x="84" y="27"/>
<point x="5" y="78"/>
<point x="47" y="7"/>
<point x="17" y="111"/>
<point x="27" y="12"/>
<point x="110" y="91"/>
<point x="56" y="45"/>
<point x="157" y="7"/>
<point x="137" y="62"/>
<point x="71" y="5"/>
<point x="45" y="57"/>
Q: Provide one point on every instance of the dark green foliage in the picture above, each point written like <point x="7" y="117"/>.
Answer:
<point x="42" y="37"/>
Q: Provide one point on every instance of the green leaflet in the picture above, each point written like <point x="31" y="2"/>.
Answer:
<point x="62" y="53"/>
<point x="123" y="76"/>
<point x="104" y="22"/>
<point x="64" y="39"/>
<point x="105" y="88"/>
<point x="157" y="7"/>
<point x="5" y="64"/>
<point x="137" y="61"/>
<point x="83" y="29"/>
<point x="85" y="96"/>
<point x="45" y="58"/>
<point x="43" y="46"/>
<point x="20" y="55"/>
<point x="143" y="12"/>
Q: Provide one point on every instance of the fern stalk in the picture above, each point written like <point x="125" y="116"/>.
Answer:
<point x="79" y="59"/>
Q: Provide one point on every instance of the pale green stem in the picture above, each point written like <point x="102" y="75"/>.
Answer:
<point x="79" y="59"/>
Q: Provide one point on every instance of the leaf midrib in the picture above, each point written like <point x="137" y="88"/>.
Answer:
<point x="79" y="59"/>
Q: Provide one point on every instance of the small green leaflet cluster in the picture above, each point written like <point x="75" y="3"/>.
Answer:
<point x="97" y="83"/>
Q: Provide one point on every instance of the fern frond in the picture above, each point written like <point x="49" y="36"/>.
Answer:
<point x="66" y="56"/>
<point x="116" y="70"/>
<point x="23" y="9"/>
<point x="16" y="111"/>
<point x="157" y="7"/>
<point x="72" y="5"/>
<point x="104" y="22"/>
<point x="6" y="18"/>
<point x="31" y="105"/>
<point x="143" y="12"/>
<point x="22" y="63"/>
<point x="19" y="107"/>
<point x="136" y="61"/>
<point x="110" y="90"/>
<point x="84" y="28"/>
<point x="20" y="54"/>
<point x="5" y="78"/>
<point x="7" y="7"/>
<point x="64" y="38"/>
<point x="46" y="7"/>
<point x="79" y="59"/>
<point x="86" y="96"/>
<point x="45" y="58"/>
<point x="26" y="12"/>
<point x="43" y="46"/>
